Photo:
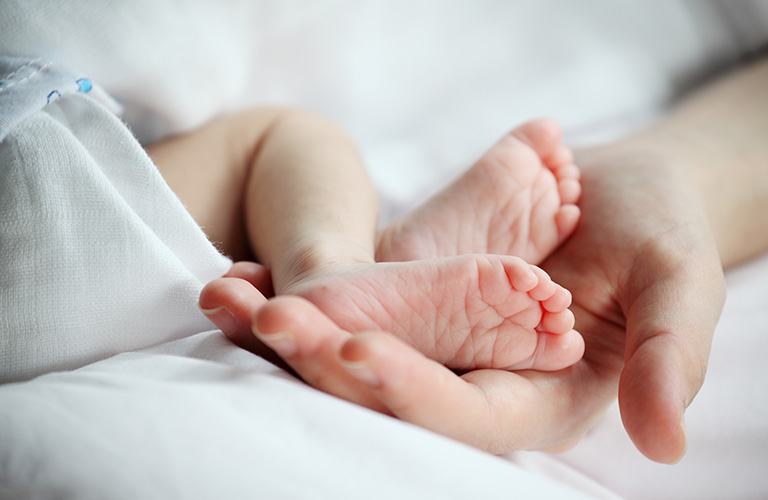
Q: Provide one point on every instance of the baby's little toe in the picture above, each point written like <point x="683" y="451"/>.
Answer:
<point x="556" y="352"/>
<point x="566" y="220"/>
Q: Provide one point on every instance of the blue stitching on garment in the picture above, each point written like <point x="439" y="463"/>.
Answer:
<point x="25" y="82"/>
<point x="84" y="85"/>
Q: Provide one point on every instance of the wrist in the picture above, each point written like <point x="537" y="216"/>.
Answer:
<point x="685" y="170"/>
<point x="650" y="148"/>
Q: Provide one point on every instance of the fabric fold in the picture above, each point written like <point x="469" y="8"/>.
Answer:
<point x="99" y="255"/>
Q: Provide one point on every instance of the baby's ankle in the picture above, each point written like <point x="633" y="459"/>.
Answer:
<point x="306" y="262"/>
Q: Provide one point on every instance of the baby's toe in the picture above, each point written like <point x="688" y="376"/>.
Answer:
<point x="545" y="287"/>
<point x="542" y="134"/>
<point x="566" y="220"/>
<point x="569" y="190"/>
<point x="567" y="171"/>
<point x="560" y="157"/>
<point x="559" y="300"/>
<point x="556" y="352"/>
<point x="557" y="323"/>
<point x="522" y="276"/>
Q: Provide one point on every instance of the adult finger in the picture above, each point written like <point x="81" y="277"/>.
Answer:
<point x="229" y="303"/>
<point x="255" y="274"/>
<point x="309" y="342"/>
<point x="495" y="410"/>
<point x="669" y="334"/>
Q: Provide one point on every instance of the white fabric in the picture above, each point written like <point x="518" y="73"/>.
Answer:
<point x="100" y="258"/>
<point x="26" y="86"/>
<point x="198" y="419"/>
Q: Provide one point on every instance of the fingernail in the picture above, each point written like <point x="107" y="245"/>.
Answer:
<point x="221" y="317"/>
<point x="362" y="372"/>
<point x="684" y="433"/>
<point x="282" y="343"/>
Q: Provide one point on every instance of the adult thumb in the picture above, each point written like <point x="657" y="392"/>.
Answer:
<point x="670" y="323"/>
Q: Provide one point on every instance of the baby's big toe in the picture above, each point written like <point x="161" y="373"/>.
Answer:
<point x="542" y="134"/>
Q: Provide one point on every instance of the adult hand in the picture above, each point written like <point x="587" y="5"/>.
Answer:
<point x="648" y="289"/>
<point x="647" y="286"/>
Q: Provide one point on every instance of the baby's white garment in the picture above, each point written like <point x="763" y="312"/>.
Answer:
<point x="26" y="86"/>
<point x="92" y="237"/>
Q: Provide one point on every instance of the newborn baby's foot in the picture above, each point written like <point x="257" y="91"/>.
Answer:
<point x="518" y="199"/>
<point x="467" y="312"/>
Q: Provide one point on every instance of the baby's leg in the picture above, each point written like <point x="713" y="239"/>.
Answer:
<point x="284" y="186"/>
<point x="518" y="199"/>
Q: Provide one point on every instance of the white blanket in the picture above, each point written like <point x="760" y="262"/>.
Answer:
<point x="100" y="258"/>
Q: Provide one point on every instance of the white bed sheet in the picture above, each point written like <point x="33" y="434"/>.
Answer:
<point x="197" y="418"/>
